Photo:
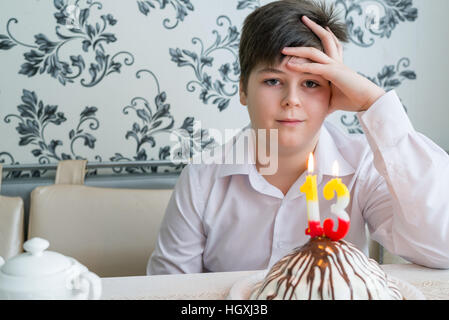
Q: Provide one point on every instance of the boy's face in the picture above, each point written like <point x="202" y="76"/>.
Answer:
<point x="294" y="103"/>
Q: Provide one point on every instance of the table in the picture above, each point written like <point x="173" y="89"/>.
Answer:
<point x="433" y="283"/>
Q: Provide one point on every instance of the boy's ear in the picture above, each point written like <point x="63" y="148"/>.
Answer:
<point x="329" y="110"/>
<point x="242" y="94"/>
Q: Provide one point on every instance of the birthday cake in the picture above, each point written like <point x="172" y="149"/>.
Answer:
<point x="328" y="270"/>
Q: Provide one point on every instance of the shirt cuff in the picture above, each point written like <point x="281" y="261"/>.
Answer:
<point x="386" y="121"/>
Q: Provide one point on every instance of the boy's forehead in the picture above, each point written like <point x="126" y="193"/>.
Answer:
<point x="266" y="67"/>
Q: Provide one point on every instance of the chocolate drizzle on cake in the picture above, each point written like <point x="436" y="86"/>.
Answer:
<point x="326" y="269"/>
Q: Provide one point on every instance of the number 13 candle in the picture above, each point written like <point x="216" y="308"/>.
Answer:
<point x="313" y="214"/>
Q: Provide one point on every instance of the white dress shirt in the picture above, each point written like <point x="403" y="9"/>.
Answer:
<point x="227" y="217"/>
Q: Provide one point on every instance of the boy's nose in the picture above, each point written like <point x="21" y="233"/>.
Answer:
<point x="291" y="99"/>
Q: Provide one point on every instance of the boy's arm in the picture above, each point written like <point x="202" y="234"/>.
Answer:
<point x="408" y="212"/>
<point x="181" y="239"/>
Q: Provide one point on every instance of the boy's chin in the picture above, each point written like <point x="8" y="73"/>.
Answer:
<point x="291" y="146"/>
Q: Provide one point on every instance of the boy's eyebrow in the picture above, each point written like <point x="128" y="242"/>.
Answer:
<point x="271" y="70"/>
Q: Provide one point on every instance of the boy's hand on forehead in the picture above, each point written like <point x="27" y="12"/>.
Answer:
<point x="350" y="90"/>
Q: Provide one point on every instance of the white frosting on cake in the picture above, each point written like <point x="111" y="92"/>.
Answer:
<point x="328" y="270"/>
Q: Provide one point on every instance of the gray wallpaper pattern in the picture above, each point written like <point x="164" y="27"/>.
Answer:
<point x="186" y="70"/>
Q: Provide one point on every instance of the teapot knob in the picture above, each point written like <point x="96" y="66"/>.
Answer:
<point x="36" y="246"/>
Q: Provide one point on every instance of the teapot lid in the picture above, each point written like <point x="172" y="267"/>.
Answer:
<point x="36" y="261"/>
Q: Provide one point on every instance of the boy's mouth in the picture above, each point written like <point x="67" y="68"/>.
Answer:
<point x="290" y="122"/>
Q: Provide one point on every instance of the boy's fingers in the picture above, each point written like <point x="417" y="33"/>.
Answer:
<point x="313" y="68"/>
<point x="330" y="47"/>
<point x="307" y="52"/>
<point x="337" y="43"/>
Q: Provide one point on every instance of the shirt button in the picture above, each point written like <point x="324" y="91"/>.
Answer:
<point x="280" y="244"/>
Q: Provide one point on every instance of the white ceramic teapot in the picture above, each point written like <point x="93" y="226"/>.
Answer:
<point x="40" y="274"/>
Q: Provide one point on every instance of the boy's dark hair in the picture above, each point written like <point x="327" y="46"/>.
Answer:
<point x="270" y="28"/>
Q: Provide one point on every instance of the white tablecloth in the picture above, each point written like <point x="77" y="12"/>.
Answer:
<point x="433" y="283"/>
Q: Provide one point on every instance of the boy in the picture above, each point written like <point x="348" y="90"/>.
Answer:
<point x="229" y="217"/>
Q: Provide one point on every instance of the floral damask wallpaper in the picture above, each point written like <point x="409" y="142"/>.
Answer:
<point x="111" y="80"/>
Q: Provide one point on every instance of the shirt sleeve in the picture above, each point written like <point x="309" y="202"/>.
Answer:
<point x="181" y="239"/>
<point x="408" y="211"/>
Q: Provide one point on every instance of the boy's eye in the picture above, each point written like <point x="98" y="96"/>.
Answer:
<point x="311" y="84"/>
<point x="272" y="82"/>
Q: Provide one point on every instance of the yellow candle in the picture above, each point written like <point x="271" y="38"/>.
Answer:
<point x="310" y="189"/>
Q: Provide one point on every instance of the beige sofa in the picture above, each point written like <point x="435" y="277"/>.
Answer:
<point x="11" y="224"/>
<point x="111" y="231"/>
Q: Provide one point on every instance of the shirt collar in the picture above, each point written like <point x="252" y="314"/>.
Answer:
<point x="326" y="152"/>
<point x="227" y="168"/>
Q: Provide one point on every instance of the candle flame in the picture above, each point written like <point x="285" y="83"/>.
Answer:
<point x="310" y="163"/>
<point x="335" y="168"/>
